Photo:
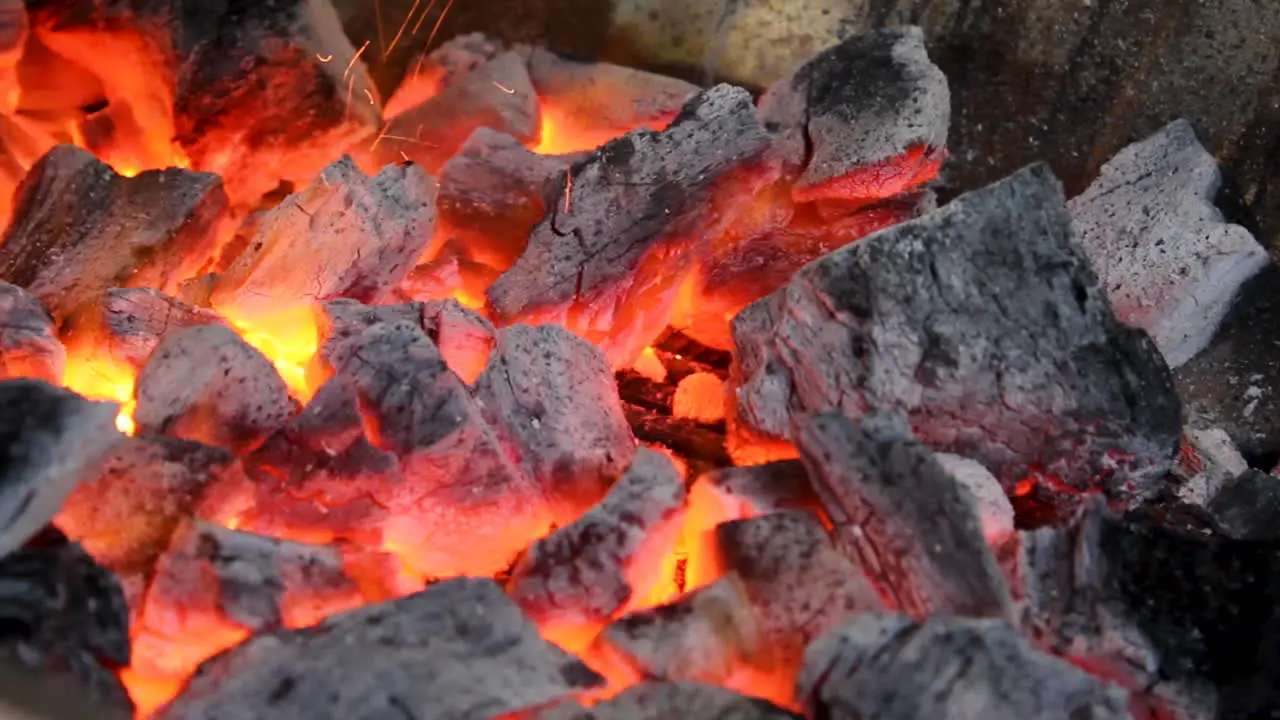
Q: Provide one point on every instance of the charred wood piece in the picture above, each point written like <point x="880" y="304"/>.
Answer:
<point x="865" y="119"/>
<point x="208" y="385"/>
<point x="887" y="666"/>
<point x="126" y="514"/>
<point x="496" y="95"/>
<point x="902" y="518"/>
<point x="1167" y="259"/>
<point x="628" y="225"/>
<point x="657" y="700"/>
<point x="346" y="235"/>
<point x="131" y="322"/>
<point x="610" y="558"/>
<point x="552" y="398"/>
<point x="29" y="345"/>
<point x="62" y="612"/>
<point x="454" y="647"/>
<point x="79" y="229"/>
<point x="52" y="440"/>
<point x="918" y="318"/>
<point x="995" y="512"/>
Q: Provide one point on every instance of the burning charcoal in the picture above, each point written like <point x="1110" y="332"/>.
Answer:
<point x="62" y="611"/>
<point x="52" y="440"/>
<point x="492" y="194"/>
<point x="706" y="635"/>
<point x="345" y="235"/>
<point x="436" y="70"/>
<point x="214" y="586"/>
<point x="206" y="384"/>
<point x="79" y="229"/>
<point x="737" y="493"/>
<point x="135" y="321"/>
<point x="331" y="421"/>
<point x="29" y="345"/>
<point x="458" y="480"/>
<point x="700" y="397"/>
<point x="1169" y="262"/>
<point x="341" y="321"/>
<point x="1248" y="507"/>
<point x="496" y="95"/>
<point x="627" y="226"/>
<point x="863" y="120"/>
<point x="798" y="584"/>
<point x="609" y="559"/>
<point x="456" y="649"/>
<point x="586" y="104"/>
<point x="1207" y="460"/>
<point x="902" y="518"/>
<point x="886" y="666"/>
<point x="553" y="400"/>
<point x="465" y="338"/>
<point x="654" y="700"/>
<point x="449" y="275"/>
<point x="984" y="325"/>
<point x="995" y="512"/>
<point x="254" y="92"/>
<point x="125" y="516"/>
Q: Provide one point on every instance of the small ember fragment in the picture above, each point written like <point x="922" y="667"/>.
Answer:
<point x="949" y="668"/>
<point x="79" y="229"/>
<point x="206" y="384"/>
<point x="902" y="518"/>
<point x="29" y="345"/>
<point x="701" y="397"/>
<point x="456" y="646"/>
<point x="608" y="560"/>
<point x="554" y="402"/>
<point x="982" y="323"/>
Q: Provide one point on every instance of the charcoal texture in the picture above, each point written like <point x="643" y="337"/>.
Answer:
<point x="29" y="345"/>
<point x="607" y="260"/>
<point x="63" y="613"/>
<point x="859" y="103"/>
<point x="902" y="518"/>
<point x="655" y="700"/>
<point x="136" y="320"/>
<point x="1248" y="507"/>
<point x="552" y="398"/>
<point x="79" y="229"/>
<point x="459" y="649"/>
<point x="888" y="667"/>
<point x="983" y="324"/>
<point x="1167" y="259"/>
<point x="50" y="441"/>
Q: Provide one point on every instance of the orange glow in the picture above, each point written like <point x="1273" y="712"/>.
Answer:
<point x="289" y="339"/>
<point x="103" y="378"/>
<point x="562" y="132"/>
<point x="650" y="366"/>
<point x="700" y="397"/>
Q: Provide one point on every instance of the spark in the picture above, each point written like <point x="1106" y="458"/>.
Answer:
<point x="400" y="32"/>
<point x="507" y="90"/>
<point x="324" y="58"/>
<point x="351" y="86"/>
<point x="439" y="22"/>
<point x="415" y="141"/>
<point x="377" y="19"/>
<point x="568" y="190"/>
<point x="404" y="155"/>
<point x="369" y="95"/>
<point x="354" y="58"/>
<point x="417" y="68"/>
<point x="378" y="139"/>
<point x="423" y="16"/>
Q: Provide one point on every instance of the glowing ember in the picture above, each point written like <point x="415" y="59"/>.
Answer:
<point x="102" y="378"/>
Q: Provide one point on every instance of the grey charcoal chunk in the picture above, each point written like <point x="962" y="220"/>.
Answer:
<point x="553" y="399"/>
<point x="346" y="235"/>
<point x="206" y="384"/>
<point x="63" y="614"/>
<point x="623" y="231"/>
<point x="994" y="509"/>
<point x="1207" y="461"/>
<point x="1248" y="507"/>
<point x="798" y="584"/>
<point x="457" y="476"/>
<point x="459" y="650"/>
<point x="1169" y="262"/>
<point x="890" y="668"/>
<point x="342" y="320"/>
<point x="79" y="229"/>
<point x="492" y="194"/>
<point x="136" y="320"/>
<point x="983" y="324"/>
<point x="657" y="700"/>
<point x="464" y="337"/>
<point x="51" y="440"/>
<point x="497" y="95"/>
<point x="861" y="102"/>
<point x="125" y="514"/>
<point x="29" y="345"/>
<point x="902" y="518"/>
<point x="610" y="557"/>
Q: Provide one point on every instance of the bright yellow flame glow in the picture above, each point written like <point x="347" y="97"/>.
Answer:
<point x="289" y="339"/>
<point x="103" y="378"/>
